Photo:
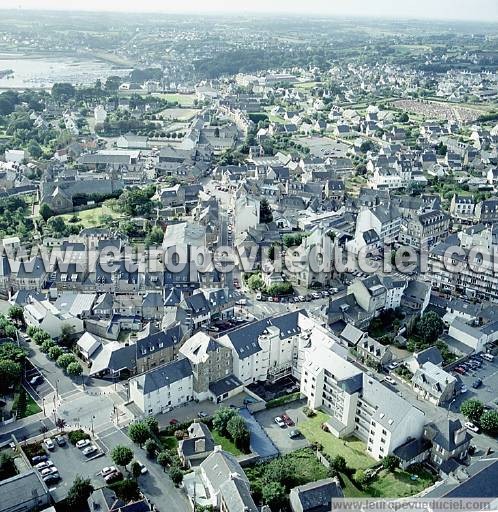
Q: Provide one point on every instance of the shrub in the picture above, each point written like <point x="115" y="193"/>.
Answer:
<point x="308" y="412"/>
<point x="77" y="435"/>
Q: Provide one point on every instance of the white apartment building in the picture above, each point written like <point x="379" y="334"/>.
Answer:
<point x="246" y="214"/>
<point x="358" y="404"/>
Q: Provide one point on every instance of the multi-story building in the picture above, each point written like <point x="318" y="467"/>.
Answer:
<point x="425" y="229"/>
<point x="357" y="404"/>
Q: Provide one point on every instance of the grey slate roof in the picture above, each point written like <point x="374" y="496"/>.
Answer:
<point x="165" y="375"/>
<point x="20" y="489"/>
<point x="237" y="495"/>
<point x="317" y="496"/>
<point x="224" y="385"/>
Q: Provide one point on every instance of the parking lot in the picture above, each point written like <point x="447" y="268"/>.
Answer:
<point x="39" y="389"/>
<point x="488" y="373"/>
<point x="71" y="462"/>
<point x="278" y="435"/>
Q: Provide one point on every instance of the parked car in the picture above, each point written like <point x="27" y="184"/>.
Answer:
<point x="202" y="414"/>
<point x="39" y="458"/>
<point x="280" y="422"/>
<point x="393" y="365"/>
<point x="294" y="433"/>
<point x="316" y="295"/>
<point x="113" y="477"/>
<point x="390" y="380"/>
<point x="325" y="293"/>
<point x="472" y="427"/>
<point x="241" y="302"/>
<point x="173" y="421"/>
<point x="49" y="444"/>
<point x="287" y="420"/>
<point x="477" y="383"/>
<point x="60" y="440"/>
<point x="463" y="390"/>
<point x="44" y="465"/>
<point x="82" y="443"/>
<point x="53" y="478"/>
<point x="36" y="380"/>
<point x="460" y="370"/>
<point x="143" y="469"/>
<point x="49" y="471"/>
<point x="89" y="450"/>
<point x="488" y="357"/>
<point x="259" y="296"/>
<point x="108" y="470"/>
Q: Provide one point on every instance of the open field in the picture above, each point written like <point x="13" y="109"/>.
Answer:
<point x="184" y="100"/>
<point x="92" y="217"/>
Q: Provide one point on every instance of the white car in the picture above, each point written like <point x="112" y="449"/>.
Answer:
<point x="280" y="422"/>
<point x="82" y="443"/>
<point x="44" y="465"/>
<point x="143" y="469"/>
<point x="316" y="295"/>
<point x="49" y="471"/>
<point x="472" y="427"/>
<point x="463" y="390"/>
<point x="108" y="470"/>
<point x="393" y="365"/>
<point x="390" y="380"/>
<point x="89" y="450"/>
<point x="49" y="444"/>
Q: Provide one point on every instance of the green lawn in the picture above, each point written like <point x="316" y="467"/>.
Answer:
<point x="352" y="449"/>
<point x="31" y="407"/>
<point x="386" y="485"/>
<point x="398" y="484"/>
<point x="91" y="217"/>
<point x="226" y="444"/>
<point x="168" y="442"/>
<point x="185" y="100"/>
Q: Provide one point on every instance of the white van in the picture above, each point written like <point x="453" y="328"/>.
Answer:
<point x="488" y="357"/>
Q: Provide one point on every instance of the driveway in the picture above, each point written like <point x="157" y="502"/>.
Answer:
<point x="280" y="436"/>
<point x="260" y="443"/>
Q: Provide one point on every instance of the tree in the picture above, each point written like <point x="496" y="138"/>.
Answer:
<point x="239" y="432"/>
<point x="46" y="346"/>
<point x="63" y="91"/>
<point x="274" y="495"/>
<point x="390" y="462"/>
<point x="55" y="352"/>
<point x="22" y="403"/>
<point x="135" y="469"/>
<point x="10" y="374"/>
<point x="489" y="422"/>
<point x="121" y="455"/>
<point x="152" y="424"/>
<point x="126" y="490"/>
<point x="255" y="282"/>
<point x="151" y="447"/>
<point x="138" y="432"/>
<point x="221" y="418"/>
<point x="403" y="118"/>
<point x="282" y="471"/>
<point x="7" y="466"/>
<point x="67" y="332"/>
<point x="361" y="478"/>
<point x="74" y="369"/>
<point x="472" y="409"/>
<point x="46" y="212"/>
<point x="164" y="459"/>
<point x="40" y="337"/>
<point x="57" y="225"/>
<point x="339" y="464"/>
<point x="265" y="212"/>
<point x="65" y="360"/>
<point x="176" y="475"/>
<point x="60" y="423"/>
<point x="430" y="326"/>
<point x="34" y="149"/>
<point x="16" y="314"/>
<point x="12" y="352"/>
<point x="79" y="492"/>
<point x="155" y="237"/>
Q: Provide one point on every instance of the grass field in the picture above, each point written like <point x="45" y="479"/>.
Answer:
<point x="226" y="444"/>
<point x="168" y="442"/>
<point x="185" y="100"/>
<point x="91" y="217"/>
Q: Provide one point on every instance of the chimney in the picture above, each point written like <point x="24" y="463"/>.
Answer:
<point x="460" y="435"/>
<point x="200" y="445"/>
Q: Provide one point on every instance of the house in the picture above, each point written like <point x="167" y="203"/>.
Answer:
<point x="372" y="352"/>
<point x="462" y="207"/>
<point x="315" y="496"/>
<point x="113" y="359"/>
<point x="197" y="447"/>
<point x="210" y="361"/>
<point x="163" y="388"/>
<point x="370" y="293"/>
<point x="426" y="229"/>
<point x="434" y="384"/>
<point x="87" y="345"/>
<point x="450" y="442"/>
<point x="416" y="296"/>
<point x="226" y="483"/>
<point x="470" y="336"/>
<point x="105" y="500"/>
<point x="47" y="316"/>
<point x="431" y="354"/>
<point x="24" y="492"/>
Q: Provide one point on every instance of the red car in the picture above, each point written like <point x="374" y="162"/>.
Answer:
<point x="459" y="370"/>
<point x="287" y="420"/>
<point x="173" y="422"/>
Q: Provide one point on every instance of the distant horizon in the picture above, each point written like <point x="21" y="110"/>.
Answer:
<point x="409" y="10"/>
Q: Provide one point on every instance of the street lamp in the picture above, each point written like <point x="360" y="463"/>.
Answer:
<point x="449" y="407"/>
<point x="43" y="404"/>
<point x="93" y="417"/>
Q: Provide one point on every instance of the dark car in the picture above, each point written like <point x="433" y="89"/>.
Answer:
<point x="60" y="440"/>
<point x="39" y="458"/>
<point x="477" y="383"/>
<point x="52" y="478"/>
<point x="287" y="420"/>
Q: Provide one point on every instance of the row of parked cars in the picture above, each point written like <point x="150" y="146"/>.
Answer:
<point x="48" y="471"/>
<point x="300" y="298"/>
